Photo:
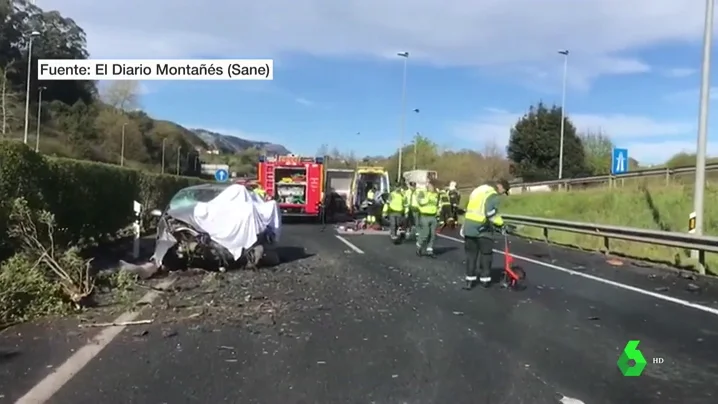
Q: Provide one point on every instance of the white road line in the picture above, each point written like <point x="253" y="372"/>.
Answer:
<point x="350" y="245"/>
<point x="52" y="383"/>
<point x="681" y="302"/>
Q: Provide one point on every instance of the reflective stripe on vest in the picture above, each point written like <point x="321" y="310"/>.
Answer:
<point x="476" y="209"/>
<point x="444" y="198"/>
<point x="431" y="203"/>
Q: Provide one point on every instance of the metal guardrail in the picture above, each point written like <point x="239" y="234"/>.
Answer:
<point x="702" y="244"/>
<point x="651" y="172"/>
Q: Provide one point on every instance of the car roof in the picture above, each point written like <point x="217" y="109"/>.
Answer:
<point x="207" y="186"/>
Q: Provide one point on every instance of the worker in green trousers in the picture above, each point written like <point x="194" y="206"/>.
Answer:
<point x="428" y="201"/>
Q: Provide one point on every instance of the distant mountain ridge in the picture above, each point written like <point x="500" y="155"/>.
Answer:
<point x="231" y="144"/>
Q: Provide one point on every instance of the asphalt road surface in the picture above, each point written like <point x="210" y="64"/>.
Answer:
<point x="355" y="319"/>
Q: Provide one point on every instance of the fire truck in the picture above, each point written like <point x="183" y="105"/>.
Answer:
<point x="296" y="183"/>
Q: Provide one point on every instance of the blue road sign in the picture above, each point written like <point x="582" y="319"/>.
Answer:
<point x="619" y="161"/>
<point x="221" y="175"/>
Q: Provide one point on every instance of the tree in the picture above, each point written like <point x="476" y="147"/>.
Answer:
<point x="599" y="152"/>
<point x="9" y="102"/>
<point x="123" y="95"/>
<point x="323" y="150"/>
<point x="681" y="159"/>
<point x="535" y="142"/>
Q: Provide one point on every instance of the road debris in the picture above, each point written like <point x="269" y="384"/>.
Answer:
<point x="118" y="324"/>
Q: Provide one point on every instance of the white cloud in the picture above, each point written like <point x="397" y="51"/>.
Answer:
<point x="304" y="101"/>
<point x="679" y="72"/>
<point x="645" y="137"/>
<point x="516" y="36"/>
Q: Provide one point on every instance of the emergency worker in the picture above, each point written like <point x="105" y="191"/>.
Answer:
<point x="428" y="206"/>
<point x="414" y="211"/>
<point x="455" y="199"/>
<point x="481" y="221"/>
<point x="394" y="208"/>
<point x="370" y="202"/>
<point x="410" y="217"/>
<point x="259" y="191"/>
<point x="444" y="209"/>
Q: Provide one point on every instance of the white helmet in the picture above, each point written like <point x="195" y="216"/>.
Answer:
<point x="452" y="185"/>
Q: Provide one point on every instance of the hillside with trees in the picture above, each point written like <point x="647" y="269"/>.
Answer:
<point x="78" y="119"/>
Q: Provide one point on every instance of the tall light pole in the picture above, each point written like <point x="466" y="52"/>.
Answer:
<point x="122" y="147"/>
<point x="163" y="154"/>
<point x="563" y="111"/>
<point x="33" y="35"/>
<point x="179" y="151"/>
<point x="39" y="117"/>
<point x="416" y="111"/>
<point x="703" y="120"/>
<point x="404" y="55"/>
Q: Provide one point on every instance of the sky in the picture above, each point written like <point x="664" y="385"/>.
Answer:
<point x="475" y="66"/>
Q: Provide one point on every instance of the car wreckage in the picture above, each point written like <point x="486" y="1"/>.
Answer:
<point x="216" y="226"/>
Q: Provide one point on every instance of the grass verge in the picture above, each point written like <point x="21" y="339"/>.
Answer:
<point x="660" y="208"/>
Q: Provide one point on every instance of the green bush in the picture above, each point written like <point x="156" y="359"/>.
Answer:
<point x="89" y="201"/>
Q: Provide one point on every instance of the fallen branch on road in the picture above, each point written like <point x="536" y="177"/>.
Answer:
<point x="118" y="324"/>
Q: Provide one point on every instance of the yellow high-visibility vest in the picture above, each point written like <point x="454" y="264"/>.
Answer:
<point x="428" y="202"/>
<point x="476" y="208"/>
<point x="396" y="202"/>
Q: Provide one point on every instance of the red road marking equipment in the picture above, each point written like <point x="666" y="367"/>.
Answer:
<point x="513" y="274"/>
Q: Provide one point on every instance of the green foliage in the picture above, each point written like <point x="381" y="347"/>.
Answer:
<point x="26" y="292"/>
<point x="89" y="200"/>
<point x="534" y="146"/>
<point x="50" y="204"/>
<point x="467" y="167"/>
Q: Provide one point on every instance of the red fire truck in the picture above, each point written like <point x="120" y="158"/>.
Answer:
<point x="296" y="183"/>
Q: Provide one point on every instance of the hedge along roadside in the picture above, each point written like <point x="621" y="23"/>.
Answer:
<point x="90" y="200"/>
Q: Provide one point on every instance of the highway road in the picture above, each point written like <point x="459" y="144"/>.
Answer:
<point x="355" y="319"/>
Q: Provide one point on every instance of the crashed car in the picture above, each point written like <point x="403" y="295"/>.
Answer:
<point x="216" y="226"/>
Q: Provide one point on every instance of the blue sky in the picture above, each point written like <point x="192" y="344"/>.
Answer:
<point x="475" y="67"/>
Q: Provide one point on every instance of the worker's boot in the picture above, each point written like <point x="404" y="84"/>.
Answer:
<point x="469" y="284"/>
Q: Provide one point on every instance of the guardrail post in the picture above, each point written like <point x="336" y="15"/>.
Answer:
<point x="137" y="228"/>
<point x="668" y="176"/>
<point x="606" y="245"/>
<point x="701" y="262"/>
<point x="545" y="235"/>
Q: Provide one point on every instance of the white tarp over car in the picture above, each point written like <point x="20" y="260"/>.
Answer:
<point x="235" y="217"/>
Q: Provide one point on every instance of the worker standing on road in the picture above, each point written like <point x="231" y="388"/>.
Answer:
<point x="482" y="219"/>
<point x="455" y="199"/>
<point x="370" y="208"/>
<point x="394" y="208"/>
<point x="410" y="211"/>
<point x="444" y="209"/>
<point x="428" y="202"/>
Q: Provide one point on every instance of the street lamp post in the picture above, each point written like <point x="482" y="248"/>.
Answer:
<point x="179" y="151"/>
<point x="163" y="154"/>
<point x="563" y="111"/>
<point x="416" y="110"/>
<point x="33" y="35"/>
<point x="122" y="147"/>
<point x="404" y="55"/>
<point x="699" y="194"/>
<point x="39" y="118"/>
